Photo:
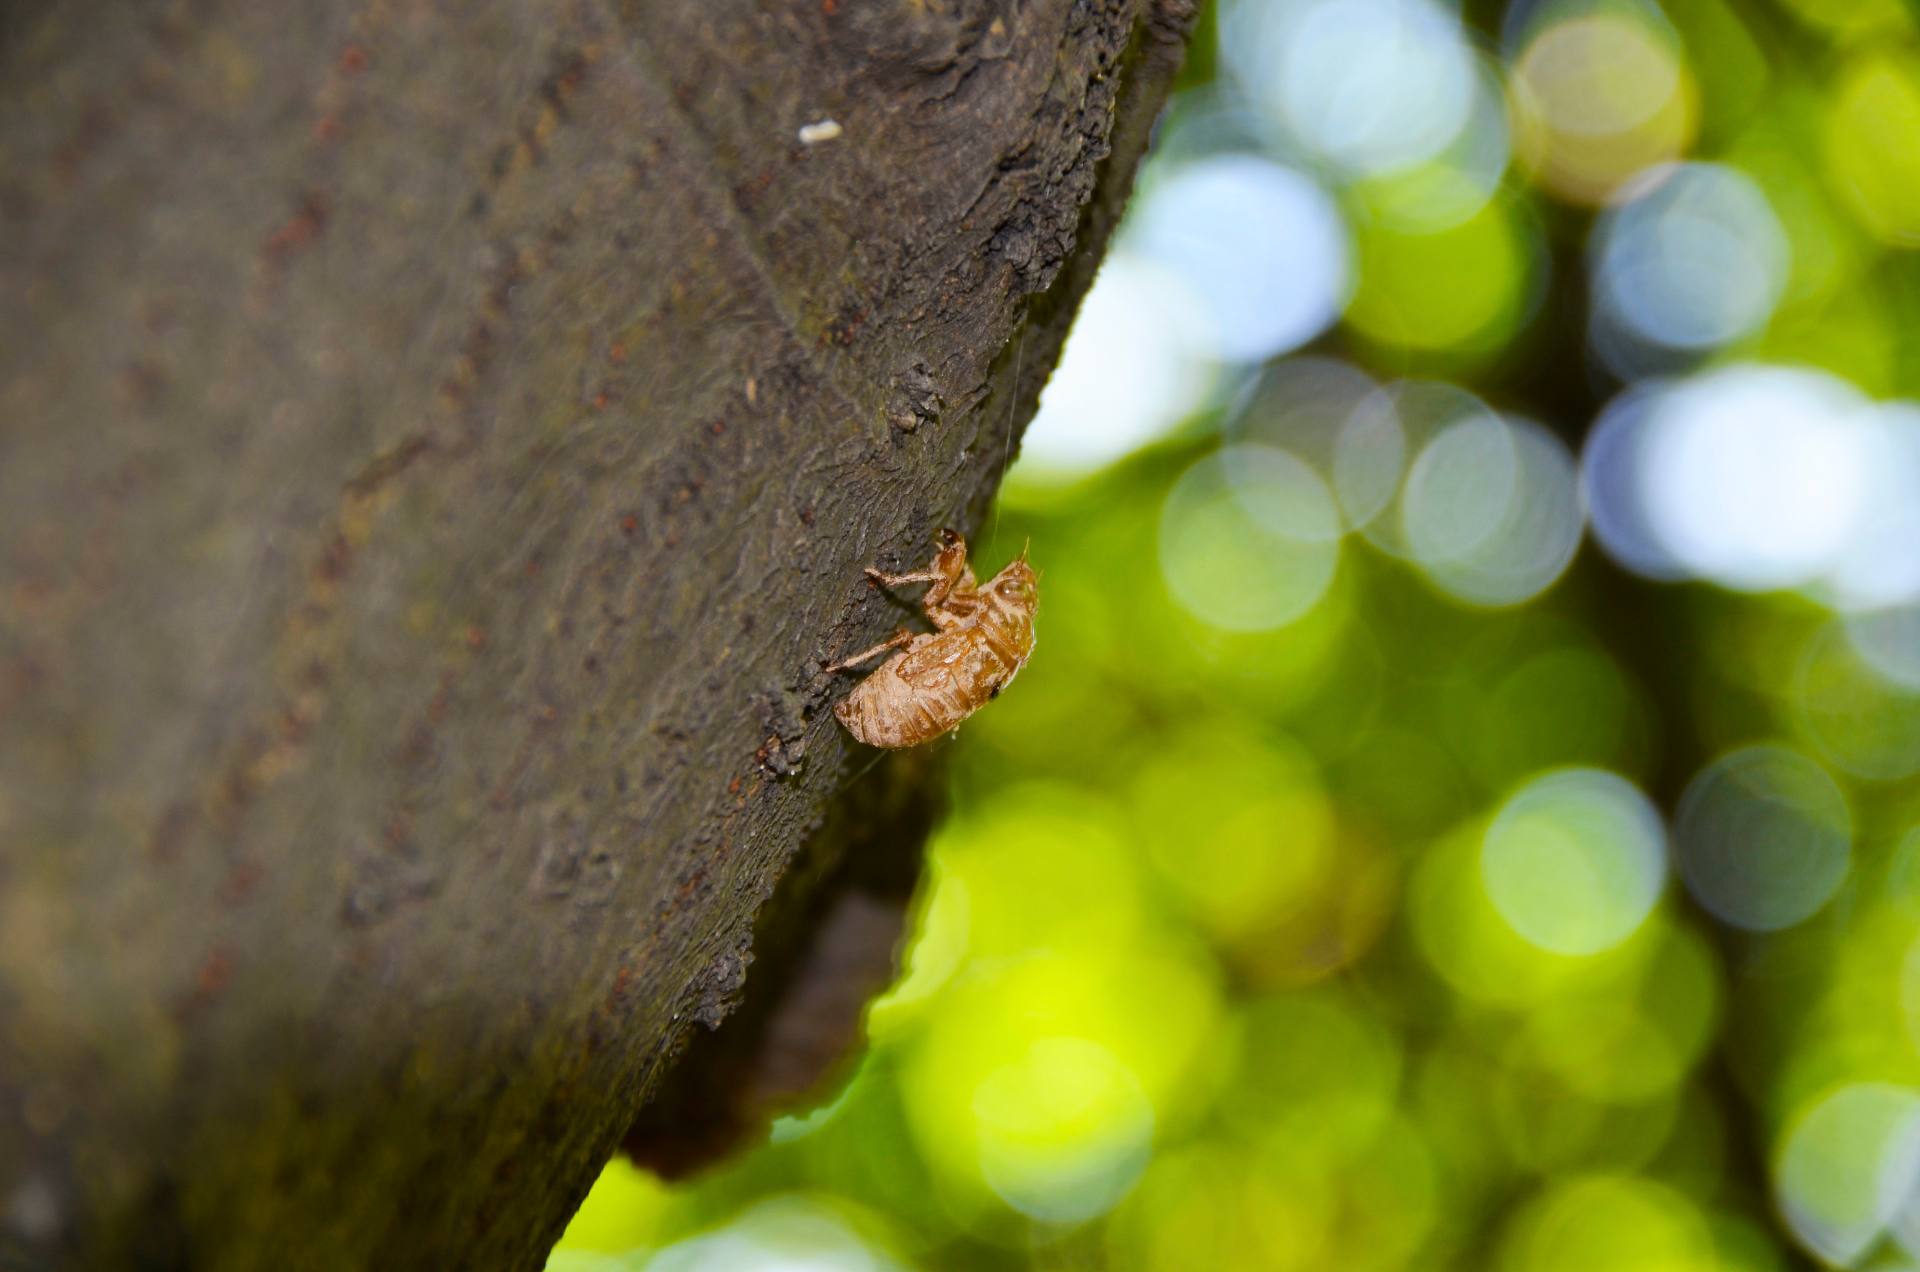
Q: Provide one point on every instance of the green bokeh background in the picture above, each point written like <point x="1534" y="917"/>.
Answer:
<point x="1360" y="942"/>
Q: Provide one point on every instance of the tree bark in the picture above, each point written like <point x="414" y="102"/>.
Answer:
<point x="438" y="447"/>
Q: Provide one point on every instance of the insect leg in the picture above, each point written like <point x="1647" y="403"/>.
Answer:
<point x="895" y="641"/>
<point x="895" y="580"/>
<point x="935" y="597"/>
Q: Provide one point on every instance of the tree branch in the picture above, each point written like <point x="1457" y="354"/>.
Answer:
<point x="438" y="448"/>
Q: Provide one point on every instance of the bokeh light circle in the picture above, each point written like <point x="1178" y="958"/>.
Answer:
<point x="1369" y="453"/>
<point x="1879" y="564"/>
<point x="1329" y="413"/>
<point x="1693" y="259"/>
<point x="1889" y="639"/>
<point x="1904" y="884"/>
<point x="1629" y="1044"/>
<point x="1198" y="1205"/>
<point x="1566" y="704"/>
<point x="1470" y="944"/>
<point x="1491" y="510"/>
<point x="1262" y="248"/>
<point x="1371" y="85"/>
<point x="1063" y="1131"/>
<point x="1237" y="827"/>
<point x="1459" y="489"/>
<point x="780" y="1234"/>
<point x="1461" y="289"/>
<point x="1609" y="1223"/>
<point x="1442" y="192"/>
<point x="1872" y="120"/>
<point x="1763" y="837"/>
<point x="1612" y="479"/>
<point x="1599" y="96"/>
<point x="1755" y="476"/>
<point x="1575" y="860"/>
<point x="1852" y="19"/>
<point x="1847" y="1164"/>
<point x="1860" y="720"/>
<point x="1127" y="373"/>
<point x="1414" y="412"/>
<point x="1316" y="1067"/>
<point x="1249" y="538"/>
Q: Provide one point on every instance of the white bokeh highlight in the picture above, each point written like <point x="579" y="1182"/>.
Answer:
<point x="1454" y="186"/>
<point x="783" y="1234"/>
<point x="1575" y="860"/>
<point x="1879" y="563"/>
<point x="1691" y="259"/>
<point x="1491" y="510"/>
<point x="1368" y="86"/>
<point x="1756" y="477"/>
<point x="1761" y="478"/>
<point x="1414" y="411"/>
<point x="1848" y="1164"/>
<point x="1612" y="479"/>
<point x="1127" y="374"/>
<point x="1262" y="249"/>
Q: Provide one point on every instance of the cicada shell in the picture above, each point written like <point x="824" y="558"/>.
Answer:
<point x="983" y="636"/>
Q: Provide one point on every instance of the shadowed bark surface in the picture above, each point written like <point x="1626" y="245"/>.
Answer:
<point x="438" y="446"/>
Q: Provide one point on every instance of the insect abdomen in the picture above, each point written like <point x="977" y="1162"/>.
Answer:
<point x="887" y="710"/>
<point x="926" y="690"/>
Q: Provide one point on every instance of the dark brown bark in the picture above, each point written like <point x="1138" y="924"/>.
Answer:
<point x="438" y="444"/>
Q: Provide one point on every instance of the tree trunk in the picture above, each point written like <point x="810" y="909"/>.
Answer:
<point x="438" y="447"/>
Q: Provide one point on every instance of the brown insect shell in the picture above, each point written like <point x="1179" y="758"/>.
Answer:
<point x="943" y="677"/>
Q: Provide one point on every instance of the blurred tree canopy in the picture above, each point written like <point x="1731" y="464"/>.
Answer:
<point x="439" y="444"/>
<point x="1462" y="809"/>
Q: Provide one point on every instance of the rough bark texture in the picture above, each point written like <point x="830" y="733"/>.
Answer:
<point x="438" y="444"/>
